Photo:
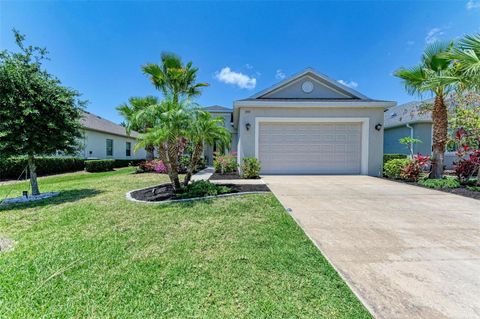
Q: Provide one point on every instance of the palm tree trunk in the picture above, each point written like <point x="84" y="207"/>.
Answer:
<point x="193" y="162"/>
<point x="163" y="154"/>
<point x="172" y="155"/>
<point x="440" y="131"/>
<point x="149" y="150"/>
<point x="33" y="175"/>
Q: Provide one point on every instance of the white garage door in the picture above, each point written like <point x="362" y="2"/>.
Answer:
<point x="310" y="148"/>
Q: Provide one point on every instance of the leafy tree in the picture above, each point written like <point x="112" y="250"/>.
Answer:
<point x="434" y="75"/>
<point x="38" y="115"/>
<point x="204" y="129"/>
<point x="409" y="142"/>
<point x="130" y="113"/>
<point x="465" y="117"/>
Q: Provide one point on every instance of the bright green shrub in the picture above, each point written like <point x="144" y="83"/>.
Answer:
<point x="201" y="189"/>
<point x="389" y="157"/>
<point x="446" y="182"/>
<point x="12" y="167"/>
<point x="93" y="166"/>
<point x="394" y="168"/>
<point x="251" y="167"/>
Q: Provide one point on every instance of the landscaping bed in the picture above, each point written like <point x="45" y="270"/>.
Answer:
<point x="461" y="190"/>
<point x="232" y="175"/>
<point x="164" y="192"/>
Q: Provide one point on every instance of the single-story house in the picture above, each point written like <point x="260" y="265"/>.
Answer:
<point x="311" y="124"/>
<point x="103" y="139"/>
<point x="411" y="120"/>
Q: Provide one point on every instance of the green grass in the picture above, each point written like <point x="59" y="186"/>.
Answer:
<point x="446" y="182"/>
<point x="91" y="253"/>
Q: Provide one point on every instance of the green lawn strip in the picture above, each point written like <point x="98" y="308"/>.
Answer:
<point x="92" y="253"/>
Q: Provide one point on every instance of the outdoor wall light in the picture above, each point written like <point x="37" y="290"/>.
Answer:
<point x="378" y="127"/>
<point x="247" y="126"/>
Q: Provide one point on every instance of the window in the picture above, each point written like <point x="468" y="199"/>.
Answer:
<point x="128" y="149"/>
<point x="109" y="147"/>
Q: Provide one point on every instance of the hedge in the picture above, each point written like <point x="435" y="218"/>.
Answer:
<point x="389" y="157"/>
<point x="93" y="166"/>
<point x="127" y="162"/>
<point x="11" y="168"/>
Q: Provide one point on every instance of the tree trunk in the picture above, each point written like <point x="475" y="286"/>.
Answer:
<point x="33" y="175"/>
<point x="193" y="162"/>
<point x="440" y="133"/>
<point x="163" y="155"/>
<point x="149" y="150"/>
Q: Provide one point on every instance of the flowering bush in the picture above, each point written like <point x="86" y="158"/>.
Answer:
<point x="155" y="165"/>
<point x="411" y="172"/>
<point x="225" y="163"/>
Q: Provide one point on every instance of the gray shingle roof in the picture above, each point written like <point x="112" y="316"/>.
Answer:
<point x="96" y="123"/>
<point x="218" y="109"/>
<point x="411" y="112"/>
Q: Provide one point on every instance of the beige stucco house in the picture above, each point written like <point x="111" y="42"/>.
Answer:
<point x="311" y="124"/>
<point x="103" y="139"/>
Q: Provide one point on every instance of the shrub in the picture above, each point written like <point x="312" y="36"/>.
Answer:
<point x="155" y="165"/>
<point x="389" y="157"/>
<point x="251" y="167"/>
<point x="466" y="168"/>
<point x="446" y="182"/>
<point x="225" y="163"/>
<point x="12" y="167"/>
<point x="474" y="188"/>
<point x="94" y="166"/>
<point x="414" y="168"/>
<point x="126" y="162"/>
<point x="201" y="189"/>
<point x="393" y="168"/>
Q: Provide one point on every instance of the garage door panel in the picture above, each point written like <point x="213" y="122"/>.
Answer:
<point x="310" y="148"/>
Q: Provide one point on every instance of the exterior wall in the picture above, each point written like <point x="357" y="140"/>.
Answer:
<point x="227" y="120"/>
<point x="95" y="146"/>
<point x="246" y="143"/>
<point x="294" y="90"/>
<point x="421" y="131"/>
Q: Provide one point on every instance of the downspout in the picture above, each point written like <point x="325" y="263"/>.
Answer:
<point x="411" y="136"/>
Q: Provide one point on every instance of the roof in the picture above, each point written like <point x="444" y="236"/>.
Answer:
<point x="96" y="123"/>
<point x="408" y="113"/>
<point x="218" y="109"/>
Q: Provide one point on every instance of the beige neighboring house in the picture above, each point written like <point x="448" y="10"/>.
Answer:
<point x="103" y="139"/>
<point x="311" y="124"/>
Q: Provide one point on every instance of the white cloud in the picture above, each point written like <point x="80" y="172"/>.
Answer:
<point x="249" y="66"/>
<point x="472" y="5"/>
<point x="280" y="75"/>
<point x="226" y="75"/>
<point x="350" y="84"/>
<point x="433" y="35"/>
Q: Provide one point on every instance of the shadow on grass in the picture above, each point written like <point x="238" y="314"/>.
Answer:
<point x="65" y="196"/>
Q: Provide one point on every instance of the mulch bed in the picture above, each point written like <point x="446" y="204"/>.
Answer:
<point x="165" y="192"/>
<point x="462" y="190"/>
<point x="227" y="176"/>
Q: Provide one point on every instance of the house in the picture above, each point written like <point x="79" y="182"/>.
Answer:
<point x="411" y="119"/>
<point x="103" y="139"/>
<point x="311" y="124"/>
<point x="227" y="115"/>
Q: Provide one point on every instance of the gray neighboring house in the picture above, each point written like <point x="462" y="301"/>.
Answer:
<point x="103" y="139"/>
<point x="409" y="120"/>
<point x="311" y="124"/>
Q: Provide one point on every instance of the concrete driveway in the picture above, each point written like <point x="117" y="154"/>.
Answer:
<point x="406" y="251"/>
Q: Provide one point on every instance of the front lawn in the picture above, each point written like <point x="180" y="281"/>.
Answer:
<point x="91" y="253"/>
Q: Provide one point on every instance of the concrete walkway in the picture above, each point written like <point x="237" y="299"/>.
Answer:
<point x="203" y="175"/>
<point x="406" y="251"/>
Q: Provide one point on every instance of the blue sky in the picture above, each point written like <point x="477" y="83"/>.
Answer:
<point x="240" y="47"/>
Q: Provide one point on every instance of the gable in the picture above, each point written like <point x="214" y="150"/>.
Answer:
<point x="309" y="84"/>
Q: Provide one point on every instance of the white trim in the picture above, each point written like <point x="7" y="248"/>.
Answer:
<point x="299" y="103"/>
<point x="365" y="131"/>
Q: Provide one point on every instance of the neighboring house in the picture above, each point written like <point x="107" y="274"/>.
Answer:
<point x="311" y="124"/>
<point x="227" y="115"/>
<point x="103" y="139"/>
<point x="411" y="120"/>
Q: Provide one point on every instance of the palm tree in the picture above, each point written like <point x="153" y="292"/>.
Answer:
<point x="466" y="61"/>
<point x="130" y="113"/>
<point x="173" y="78"/>
<point x="434" y="75"/>
<point x="170" y="123"/>
<point x="204" y="129"/>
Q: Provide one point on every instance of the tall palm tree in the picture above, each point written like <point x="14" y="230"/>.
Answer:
<point x="173" y="78"/>
<point x="466" y="61"/>
<point x="433" y="75"/>
<point x="130" y="113"/>
<point x="204" y="129"/>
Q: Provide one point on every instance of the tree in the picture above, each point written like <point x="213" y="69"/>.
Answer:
<point x="434" y="75"/>
<point x="204" y="129"/>
<point x="38" y="115"/>
<point x="466" y="60"/>
<point x="130" y="113"/>
<point x="409" y="142"/>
